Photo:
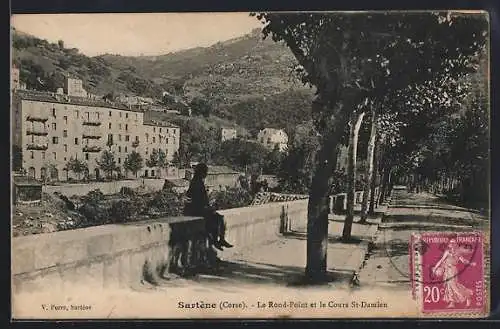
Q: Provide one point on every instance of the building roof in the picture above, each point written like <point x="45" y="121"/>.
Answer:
<point x="159" y="124"/>
<point x="178" y="182"/>
<point x="49" y="97"/>
<point x="272" y="130"/>
<point x="221" y="170"/>
<point x="214" y="170"/>
<point x="26" y="181"/>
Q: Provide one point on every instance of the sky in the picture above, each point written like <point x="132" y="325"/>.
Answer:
<point x="136" y="34"/>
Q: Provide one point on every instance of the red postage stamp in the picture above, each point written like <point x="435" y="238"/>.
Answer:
<point x="448" y="272"/>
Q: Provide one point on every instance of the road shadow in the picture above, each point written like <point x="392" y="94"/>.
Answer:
<point x="331" y="238"/>
<point x="431" y="218"/>
<point x="229" y="274"/>
<point x="430" y="227"/>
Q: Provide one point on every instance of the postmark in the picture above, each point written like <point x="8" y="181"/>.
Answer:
<point x="447" y="270"/>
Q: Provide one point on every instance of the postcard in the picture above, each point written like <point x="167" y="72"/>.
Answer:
<point x="250" y="165"/>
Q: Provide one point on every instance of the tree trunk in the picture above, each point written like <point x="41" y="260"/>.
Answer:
<point x="375" y="176"/>
<point x="355" y="124"/>
<point x="318" y="205"/>
<point x="368" y="186"/>
<point x="383" y="190"/>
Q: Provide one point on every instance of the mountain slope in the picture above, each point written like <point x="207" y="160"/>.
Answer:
<point x="241" y="78"/>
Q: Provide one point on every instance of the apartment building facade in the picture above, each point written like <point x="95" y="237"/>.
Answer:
<point x="50" y="129"/>
<point x="270" y="138"/>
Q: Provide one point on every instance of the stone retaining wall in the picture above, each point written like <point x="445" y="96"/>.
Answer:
<point x="121" y="255"/>
<point x="105" y="187"/>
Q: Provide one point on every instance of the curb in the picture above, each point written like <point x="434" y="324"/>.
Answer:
<point x="365" y="246"/>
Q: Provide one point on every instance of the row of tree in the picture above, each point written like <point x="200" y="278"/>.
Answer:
<point x="107" y="163"/>
<point x="380" y="67"/>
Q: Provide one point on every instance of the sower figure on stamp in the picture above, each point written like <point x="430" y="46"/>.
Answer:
<point x="446" y="267"/>
<point x="198" y="205"/>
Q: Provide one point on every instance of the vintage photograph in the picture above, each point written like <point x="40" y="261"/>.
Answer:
<point x="250" y="165"/>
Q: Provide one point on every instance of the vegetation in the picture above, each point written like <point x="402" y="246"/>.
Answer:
<point x="76" y="166"/>
<point x="133" y="162"/>
<point x="107" y="163"/>
<point x="354" y="70"/>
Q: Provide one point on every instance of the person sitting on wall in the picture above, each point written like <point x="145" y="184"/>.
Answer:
<point x="198" y="205"/>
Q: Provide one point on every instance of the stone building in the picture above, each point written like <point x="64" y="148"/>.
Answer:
<point x="228" y="134"/>
<point x="270" y="138"/>
<point x="218" y="177"/>
<point x="51" y="128"/>
<point x="159" y="135"/>
<point x="14" y="78"/>
<point x="74" y="87"/>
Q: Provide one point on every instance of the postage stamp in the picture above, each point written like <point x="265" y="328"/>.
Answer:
<point x="448" y="272"/>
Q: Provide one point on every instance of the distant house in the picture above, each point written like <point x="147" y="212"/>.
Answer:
<point x="26" y="189"/>
<point x="218" y="177"/>
<point x="228" y="134"/>
<point x="270" y="138"/>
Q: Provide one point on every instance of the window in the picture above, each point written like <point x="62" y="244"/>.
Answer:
<point x="136" y="116"/>
<point x="54" y="126"/>
<point x="77" y="114"/>
<point x="126" y="126"/>
<point x="76" y="141"/>
<point x="167" y="130"/>
<point x="136" y="138"/>
<point x="109" y="125"/>
<point x="43" y="155"/>
<point x="125" y="149"/>
<point x="127" y="138"/>
<point x="65" y="159"/>
<point x="154" y="129"/>
<point x="65" y="133"/>
<point x="160" y="129"/>
<point x="32" y="155"/>
<point x="86" y="156"/>
<point x="119" y="160"/>
<point x="119" y="148"/>
<point x="126" y="115"/>
<point x="120" y="114"/>
<point x="55" y="140"/>
<point x="147" y="150"/>
<point x="147" y="138"/>
<point x="167" y="141"/>
<point x="88" y="115"/>
<point x="65" y="119"/>
<point x="97" y="115"/>
<point x="119" y="126"/>
<point x="119" y="137"/>
<point x="109" y="113"/>
<point x="110" y="137"/>
<point x="54" y="112"/>
<point x="54" y="155"/>
<point x="174" y="131"/>
<point x="154" y="139"/>
<point x="65" y="147"/>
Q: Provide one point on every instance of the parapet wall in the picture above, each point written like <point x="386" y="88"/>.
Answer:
<point x="122" y="255"/>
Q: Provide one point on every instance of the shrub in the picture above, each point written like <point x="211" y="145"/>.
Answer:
<point x="233" y="197"/>
<point x="94" y="197"/>
<point x="94" y="214"/>
<point x="127" y="191"/>
<point x="167" y="202"/>
<point x="125" y="210"/>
